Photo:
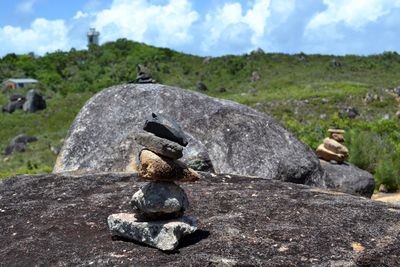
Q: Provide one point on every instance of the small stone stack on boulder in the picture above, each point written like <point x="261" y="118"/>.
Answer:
<point x="143" y="75"/>
<point x="332" y="149"/>
<point x="159" y="205"/>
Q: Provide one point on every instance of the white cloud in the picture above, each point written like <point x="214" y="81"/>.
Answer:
<point x="221" y="24"/>
<point x="26" y="6"/>
<point x="163" y="25"/>
<point x="280" y="11"/>
<point x="227" y="26"/>
<point x="352" y="27"/>
<point x="42" y="36"/>
<point x="353" y="13"/>
<point x="80" y="15"/>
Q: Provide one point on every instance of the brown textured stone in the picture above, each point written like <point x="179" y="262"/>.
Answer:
<point x="335" y="147"/>
<point x="337" y="137"/>
<point x="339" y="131"/>
<point x="155" y="167"/>
<point x="328" y="155"/>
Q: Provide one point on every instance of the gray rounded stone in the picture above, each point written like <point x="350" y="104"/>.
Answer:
<point x="160" y="200"/>
<point x="348" y="178"/>
<point x="164" y="235"/>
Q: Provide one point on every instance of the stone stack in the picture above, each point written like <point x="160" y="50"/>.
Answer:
<point x="143" y="75"/>
<point x="332" y="148"/>
<point x="160" y="204"/>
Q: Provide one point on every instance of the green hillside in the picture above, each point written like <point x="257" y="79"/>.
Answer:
<point x="304" y="92"/>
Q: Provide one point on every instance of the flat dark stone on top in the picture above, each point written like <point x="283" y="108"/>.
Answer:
<point x="166" y="128"/>
<point x="158" y="145"/>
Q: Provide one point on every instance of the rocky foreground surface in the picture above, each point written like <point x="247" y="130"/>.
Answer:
<point x="61" y="220"/>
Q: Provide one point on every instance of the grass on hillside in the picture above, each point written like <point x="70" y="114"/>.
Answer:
<point x="49" y="126"/>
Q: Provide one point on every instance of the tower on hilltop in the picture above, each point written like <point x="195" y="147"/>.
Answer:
<point x="93" y="36"/>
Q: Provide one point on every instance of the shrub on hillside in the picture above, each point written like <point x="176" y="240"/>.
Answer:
<point x="365" y="149"/>
<point x="388" y="172"/>
<point x="374" y="150"/>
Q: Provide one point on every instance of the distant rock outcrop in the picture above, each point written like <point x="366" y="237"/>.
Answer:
<point x="258" y="51"/>
<point x="349" y="112"/>
<point x="16" y="102"/>
<point x="34" y="102"/>
<point x="232" y="137"/>
<point x="201" y="86"/>
<point x="61" y="220"/>
<point x="18" y="144"/>
<point x="255" y="76"/>
<point x="31" y="103"/>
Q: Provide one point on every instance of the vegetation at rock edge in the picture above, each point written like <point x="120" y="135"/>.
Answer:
<point x="306" y="93"/>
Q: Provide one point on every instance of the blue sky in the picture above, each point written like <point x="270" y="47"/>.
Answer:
<point x="205" y="27"/>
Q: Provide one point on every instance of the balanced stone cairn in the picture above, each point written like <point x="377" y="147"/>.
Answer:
<point x="332" y="148"/>
<point x="143" y="75"/>
<point x="159" y="205"/>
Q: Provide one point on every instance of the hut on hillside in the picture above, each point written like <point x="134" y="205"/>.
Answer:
<point x="18" y="83"/>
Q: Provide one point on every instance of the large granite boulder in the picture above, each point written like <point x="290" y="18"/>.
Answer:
<point x="234" y="138"/>
<point x="348" y="178"/>
<point x="61" y="220"/>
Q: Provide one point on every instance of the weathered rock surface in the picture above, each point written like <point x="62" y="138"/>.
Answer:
<point x="238" y="139"/>
<point x="159" y="145"/>
<point x="155" y="167"/>
<point x="61" y="220"/>
<point x="348" y="178"/>
<point x="160" y="200"/>
<point x="34" y="101"/>
<point x="164" y="235"/>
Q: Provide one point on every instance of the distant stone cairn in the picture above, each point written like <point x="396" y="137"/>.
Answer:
<point x="332" y="147"/>
<point x="143" y="75"/>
